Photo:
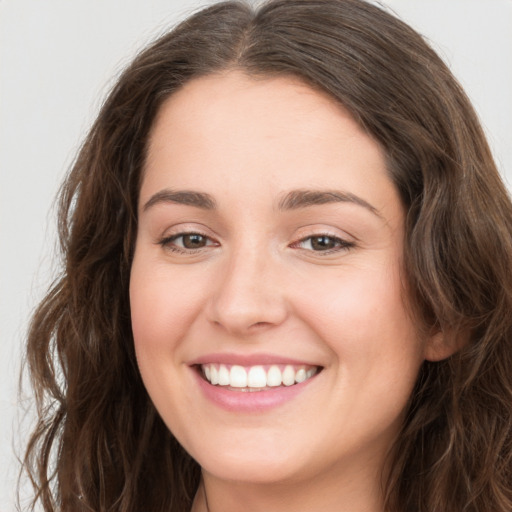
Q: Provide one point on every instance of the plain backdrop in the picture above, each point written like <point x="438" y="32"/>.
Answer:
<point x="57" y="61"/>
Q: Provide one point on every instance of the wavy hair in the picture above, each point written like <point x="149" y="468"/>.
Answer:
<point x="99" y="444"/>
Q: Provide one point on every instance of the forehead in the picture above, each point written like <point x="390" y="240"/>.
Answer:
<point x="262" y="93"/>
<point x="219" y="104"/>
<point x="265" y="134"/>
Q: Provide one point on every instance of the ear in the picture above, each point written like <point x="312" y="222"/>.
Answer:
<point x="441" y="345"/>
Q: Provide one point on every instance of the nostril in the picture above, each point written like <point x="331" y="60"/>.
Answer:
<point x="260" y="324"/>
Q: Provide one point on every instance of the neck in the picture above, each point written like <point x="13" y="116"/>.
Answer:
<point x="360" y="492"/>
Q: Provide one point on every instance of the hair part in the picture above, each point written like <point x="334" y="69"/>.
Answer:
<point x="99" y="444"/>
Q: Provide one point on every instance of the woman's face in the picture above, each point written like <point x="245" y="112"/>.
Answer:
<point x="269" y="251"/>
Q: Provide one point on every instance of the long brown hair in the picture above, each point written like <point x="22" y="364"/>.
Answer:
<point x="99" y="444"/>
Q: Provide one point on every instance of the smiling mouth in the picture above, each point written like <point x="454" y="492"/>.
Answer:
<point x="256" y="378"/>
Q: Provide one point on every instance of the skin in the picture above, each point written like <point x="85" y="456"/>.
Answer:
<point x="257" y="285"/>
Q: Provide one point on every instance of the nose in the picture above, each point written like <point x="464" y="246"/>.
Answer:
<point x="248" y="297"/>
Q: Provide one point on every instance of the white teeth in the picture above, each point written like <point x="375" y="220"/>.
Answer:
<point x="274" y="377"/>
<point x="256" y="377"/>
<point x="289" y="376"/>
<point x="224" y="378"/>
<point x="300" y="376"/>
<point x="214" y="375"/>
<point x="238" y="377"/>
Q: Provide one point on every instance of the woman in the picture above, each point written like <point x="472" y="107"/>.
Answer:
<point x="287" y="279"/>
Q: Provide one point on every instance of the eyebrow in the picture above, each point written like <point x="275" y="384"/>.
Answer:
<point x="292" y="200"/>
<point x="303" y="198"/>
<point x="186" y="197"/>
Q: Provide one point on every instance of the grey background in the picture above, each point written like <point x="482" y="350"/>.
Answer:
<point x="57" y="61"/>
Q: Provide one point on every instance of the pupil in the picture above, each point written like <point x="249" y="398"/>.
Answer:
<point x="193" y="241"/>
<point x="321" y="243"/>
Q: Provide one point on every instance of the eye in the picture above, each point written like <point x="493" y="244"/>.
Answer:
<point x="186" y="242"/>
<point x="322" y="243"/>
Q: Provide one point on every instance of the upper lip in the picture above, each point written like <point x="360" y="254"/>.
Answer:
<point x="249" y="359"/>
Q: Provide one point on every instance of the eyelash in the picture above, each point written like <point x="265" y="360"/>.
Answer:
<point x="167" y="242"/>
<point x="340" y="244"/>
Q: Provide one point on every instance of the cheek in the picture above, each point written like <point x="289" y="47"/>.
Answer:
<point x="163" y="307"/>
<point x="360" y="314"/>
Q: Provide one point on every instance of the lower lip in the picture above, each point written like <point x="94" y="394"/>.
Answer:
<point x="250" y="401"/>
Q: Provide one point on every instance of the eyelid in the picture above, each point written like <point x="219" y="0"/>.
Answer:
<point x="185" y="228"/>
<point x="188" y="233"/>
<point x="165" y="241"/>
<point x="344" y="244"/>
<point x="308" y="232"/>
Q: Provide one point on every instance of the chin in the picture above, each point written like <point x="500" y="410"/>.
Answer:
<point x="263" y="465"/>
